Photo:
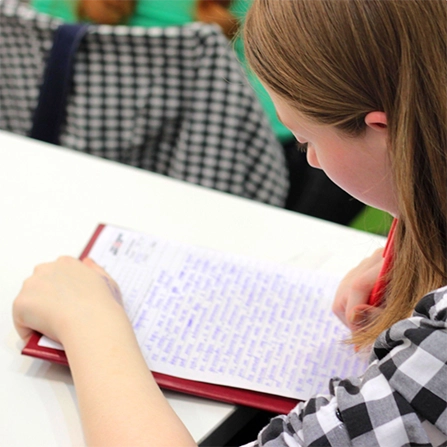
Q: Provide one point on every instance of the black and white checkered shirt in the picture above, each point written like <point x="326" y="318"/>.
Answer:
<point x="401" y="400"/>
<point x="170" y="100"/>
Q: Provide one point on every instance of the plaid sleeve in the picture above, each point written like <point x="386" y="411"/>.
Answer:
<point x="401" y="400"/>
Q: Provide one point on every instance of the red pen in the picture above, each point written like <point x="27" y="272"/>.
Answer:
<point x="378" y="290"/>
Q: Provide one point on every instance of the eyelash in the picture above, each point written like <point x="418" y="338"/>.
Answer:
<point x="302" y="147"/>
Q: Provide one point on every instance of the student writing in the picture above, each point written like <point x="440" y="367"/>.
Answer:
<point x="362" y="87"/>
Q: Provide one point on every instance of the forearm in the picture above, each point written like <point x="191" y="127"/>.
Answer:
<point x="119" y="401"/>
<point x="78" y="304"/>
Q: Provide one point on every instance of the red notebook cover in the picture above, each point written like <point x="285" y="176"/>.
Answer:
<point x="236" y="396"/>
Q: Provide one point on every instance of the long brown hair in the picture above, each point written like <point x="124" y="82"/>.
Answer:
<point x="114" y="12"/>
<point x="335" y="61"/>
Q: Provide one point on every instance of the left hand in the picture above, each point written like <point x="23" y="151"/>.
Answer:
<point x="64" y="295"/>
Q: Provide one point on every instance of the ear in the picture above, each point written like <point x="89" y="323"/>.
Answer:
<point x="376" y="121"/>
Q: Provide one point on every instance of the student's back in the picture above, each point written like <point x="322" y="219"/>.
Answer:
<point x="311" y="191"/>
<point x="164" y="13"/>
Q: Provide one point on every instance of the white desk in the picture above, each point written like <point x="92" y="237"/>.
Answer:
<point x="51" y="201"/>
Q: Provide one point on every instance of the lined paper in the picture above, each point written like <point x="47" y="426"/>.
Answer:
<point x="221" y="318"/>
<point x="211" y="316"/>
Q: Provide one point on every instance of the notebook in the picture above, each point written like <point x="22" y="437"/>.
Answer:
<point x="223" y="326"/>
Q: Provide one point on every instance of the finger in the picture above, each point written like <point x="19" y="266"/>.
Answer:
<point x="339" y="303"/>
<point x="359" y="295"/>
<point x="362" y="286"/>
<point x="23" y="331"/>
<point x="377" y="256"/>
<point x="359" y="316"/>
<point x="97" y="268"/>
<point x="356" y="286"/>
<point x="111" y="284"/>
<point x="89" y="262"/>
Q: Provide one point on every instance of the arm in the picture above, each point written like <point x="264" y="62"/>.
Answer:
<point x="351" y="416"/>
<point x="120" y="404"/>
<point x="400" y="400"/>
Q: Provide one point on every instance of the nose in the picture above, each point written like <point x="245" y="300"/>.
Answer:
<point x="312" y="158"/>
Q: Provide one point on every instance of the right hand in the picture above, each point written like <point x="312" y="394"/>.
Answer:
<point x="350" y="303"/>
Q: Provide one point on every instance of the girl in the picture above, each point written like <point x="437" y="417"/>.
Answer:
<point x="361" y="87"/>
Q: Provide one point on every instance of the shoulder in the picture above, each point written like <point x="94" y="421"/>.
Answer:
<point x="400" y="400"/>
<point x="423" y="329"/>
<point x="433" y="306"/>
<point x="412" y="357"/>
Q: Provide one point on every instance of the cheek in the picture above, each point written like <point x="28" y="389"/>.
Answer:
<point x="343" y="172"/>
<point x="366" y="185"/>
<point x="312" y="158"/>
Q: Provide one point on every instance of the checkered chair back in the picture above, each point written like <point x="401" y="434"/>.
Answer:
<point x="170" y="100"/>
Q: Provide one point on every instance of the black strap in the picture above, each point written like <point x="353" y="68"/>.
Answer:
<point x="50" y="111"/>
